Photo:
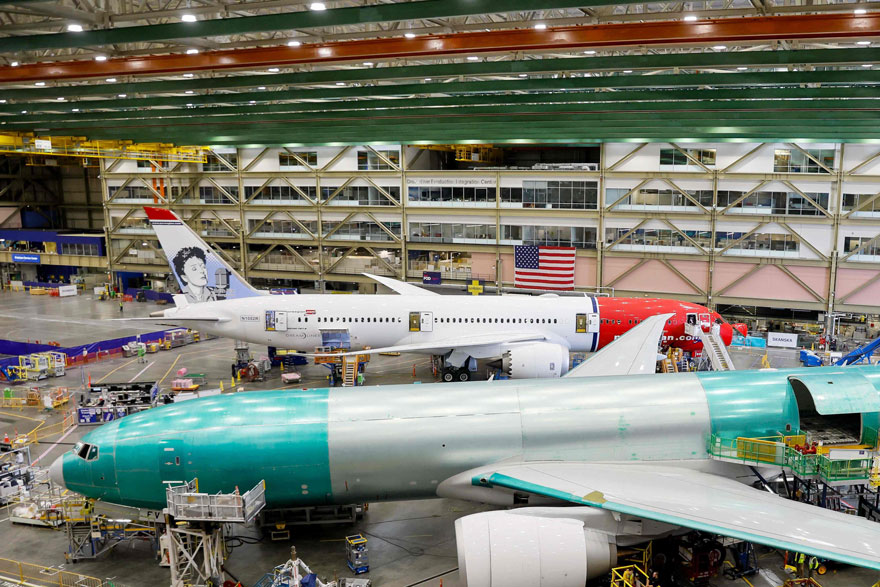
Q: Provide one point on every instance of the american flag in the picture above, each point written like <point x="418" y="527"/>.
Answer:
<point x="539" y="267"/>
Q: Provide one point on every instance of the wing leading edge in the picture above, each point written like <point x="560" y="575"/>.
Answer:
<point x="697" y="500"/>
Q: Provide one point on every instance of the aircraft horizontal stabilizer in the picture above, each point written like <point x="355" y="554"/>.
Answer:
<point x="401" y="287"/>
<point x="691" y="499"/>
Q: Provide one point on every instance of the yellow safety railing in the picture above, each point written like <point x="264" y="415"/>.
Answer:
<point x="30" y="574"/>
<point x="42" y="431"/>
<point x="628" y="576"/>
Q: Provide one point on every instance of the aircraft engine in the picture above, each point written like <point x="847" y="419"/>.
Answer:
<point x="499" y="549"/>
<point x="535" y="360"/>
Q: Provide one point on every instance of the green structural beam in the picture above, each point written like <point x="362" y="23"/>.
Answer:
<point x="483" y="68"/>
<point x="639" y="99"/>
<point x="741" y="79"/>
<point x="307" y="19"/>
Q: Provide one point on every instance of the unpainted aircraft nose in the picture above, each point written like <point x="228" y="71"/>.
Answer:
<point x="56" y="472"/>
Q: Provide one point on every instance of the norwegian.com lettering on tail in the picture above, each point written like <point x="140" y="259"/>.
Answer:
<point x="201" y="274"/>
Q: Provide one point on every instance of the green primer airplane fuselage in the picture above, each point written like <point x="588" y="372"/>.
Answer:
<point x="352" y="445"/>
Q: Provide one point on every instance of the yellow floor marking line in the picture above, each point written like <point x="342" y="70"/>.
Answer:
<point x="169" y="370"/>
<point x="20" y="416"/>
<point x="101" y="380"/>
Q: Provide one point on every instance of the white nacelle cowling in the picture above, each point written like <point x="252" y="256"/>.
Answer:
<point x="503" y="549"/>
<point x="535" y="360"/>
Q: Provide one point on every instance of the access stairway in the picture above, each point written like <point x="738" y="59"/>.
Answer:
<point x="715" y="349"/>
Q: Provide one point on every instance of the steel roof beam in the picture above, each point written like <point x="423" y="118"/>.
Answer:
<point x="531" y="66"/>
<point x="773" y="79"/>
<point x="307" y="19"/>
<point x="638" y="98"/>
<point x="819" y="26"/>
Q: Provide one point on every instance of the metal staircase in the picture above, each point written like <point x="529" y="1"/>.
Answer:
<point x="714" y="348"/>
<point x="349" y="370"/>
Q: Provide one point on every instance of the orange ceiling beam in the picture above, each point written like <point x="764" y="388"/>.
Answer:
<point x="729" y="30"/>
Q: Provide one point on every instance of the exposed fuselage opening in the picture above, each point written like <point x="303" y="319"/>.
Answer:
<point x="836" y="429"/>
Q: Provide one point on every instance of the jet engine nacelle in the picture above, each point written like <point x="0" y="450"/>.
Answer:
<point x="535" y="360"/>
<point x="499" y="549"/>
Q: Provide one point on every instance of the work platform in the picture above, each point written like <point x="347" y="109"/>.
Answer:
<point x="794" y="453"/>
<point x="185" y="503"/>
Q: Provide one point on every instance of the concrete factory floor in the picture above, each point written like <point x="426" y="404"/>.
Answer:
<point x="411" y="543"/>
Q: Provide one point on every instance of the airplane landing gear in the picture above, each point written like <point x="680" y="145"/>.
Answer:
<point x="453" y="374"/>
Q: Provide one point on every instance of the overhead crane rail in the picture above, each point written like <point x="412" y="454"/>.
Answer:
<point x="27" y="144"/>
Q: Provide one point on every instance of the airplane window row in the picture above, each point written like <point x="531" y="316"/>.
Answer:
<point x="349" y="320"/>
<point x="496" y="320"/>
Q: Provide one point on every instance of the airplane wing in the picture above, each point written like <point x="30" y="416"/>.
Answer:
<point x="693" y="499"/>
<point x="401" y="287"/>
<point x="443" y="345"/>
<point x="634" y="353"/>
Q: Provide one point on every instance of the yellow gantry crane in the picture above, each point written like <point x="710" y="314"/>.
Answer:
<point x="28" y="144"/>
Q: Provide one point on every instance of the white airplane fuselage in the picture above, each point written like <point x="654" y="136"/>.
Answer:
<point x="302" y="322"/>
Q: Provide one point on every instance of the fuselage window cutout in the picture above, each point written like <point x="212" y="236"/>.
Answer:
<point x="82" y="450"/>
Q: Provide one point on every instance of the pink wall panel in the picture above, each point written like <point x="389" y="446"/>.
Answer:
<point x="507" y="268"/>
<point x="768" y="283"/>
<point x="696" y="271"/>
<point x="850" y="279"/>
<point x="725" y="273"/>
<point x="483" y="264"/>
<point x="815" y="277"/>
<point x="654" y="276"/>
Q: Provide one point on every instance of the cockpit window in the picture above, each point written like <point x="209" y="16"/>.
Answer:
<point x="86" y="451"/>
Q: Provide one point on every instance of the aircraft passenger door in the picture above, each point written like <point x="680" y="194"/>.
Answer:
<point x="705" y="322"/>
<point x="427" y="321"/>
<point x="580" y="323"/>
<point x="593" y="323"/>
<point x="276" y="321"/>
<point x="421" y="321"/>
<point x="171" y="461"/>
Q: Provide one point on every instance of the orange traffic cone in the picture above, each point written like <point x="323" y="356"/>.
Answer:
<point x="6" y="437"/>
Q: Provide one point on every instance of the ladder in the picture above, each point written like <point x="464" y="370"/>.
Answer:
<point x="349" y="371"/>
<point x="714" y="347"/>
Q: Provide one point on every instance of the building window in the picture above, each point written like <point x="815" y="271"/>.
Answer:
<point x="582" y="237"/>
<point x="131" y="192"/>
<point x="361" y="231"/>
<point x="209" y="194"/>
<point x="794" y="161"/>
<point x="871" y="252"/>
<point x="278" y="226"/>
<point x="360" y="195"/>
<point x="673" y="158"/>
<point x="147" y="165"/>
<point x="452" y="233"/>
<point x="659" y="239"/>
<point x="868" y="207"/>
<point x="563" y="195"/>
<point x="79" y="249"/>
<point x="646" y="199"/>
<point x="213" y="162"/>
<point x="371" y="161"/>
<point x="760" y="244"/>
<point x="288" y="162"/>
<point x="791" y="203"/>
<point x="453" y="196"/>
<point x="279" y="193"/>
